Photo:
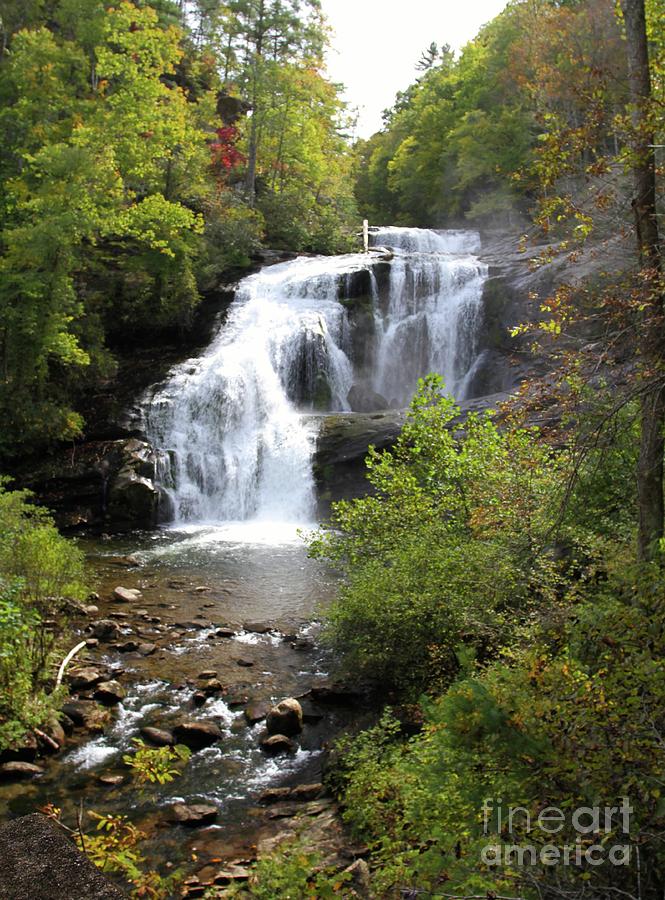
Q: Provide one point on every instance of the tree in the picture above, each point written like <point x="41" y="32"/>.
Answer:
<point x="650" y="465"/>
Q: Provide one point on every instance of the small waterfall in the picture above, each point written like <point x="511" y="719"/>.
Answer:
<point x="232" y="425"/>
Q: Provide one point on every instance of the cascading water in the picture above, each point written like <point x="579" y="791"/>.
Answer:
<point x="433" y="310"/>
<point x="233" y="426"/>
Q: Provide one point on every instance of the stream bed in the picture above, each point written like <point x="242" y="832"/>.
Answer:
<point x="198" y="585"/>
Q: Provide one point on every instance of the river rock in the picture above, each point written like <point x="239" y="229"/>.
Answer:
<point x="285" y="718"/>
<point x="128" y="647"/>
<point x="209" y="673"/>
<point x="19" y="771"/>
<point x="258" y="627"/>
<point x="147" y="648"/>
<point x="212" y="686"/>
<point x="160" y="737"/>
<point x="244" y="662"/>
<point x="110" y="693"/>
<point x="276" y="744"/>
<point x="128" y="562"/>
<point x="84" y="679"/>
<point x="195" y="815"/>
<point x="302" y="793"/>
<point x="197" y="735"/>
<point x="105" y="630"/>
<point x="87" y="714"/>
<point x="257" y="710"/>
<point x="110" y="781"/>
<point x="126" y="595"/>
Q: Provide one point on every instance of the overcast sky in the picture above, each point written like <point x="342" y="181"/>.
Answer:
<point x="377" y="43"/>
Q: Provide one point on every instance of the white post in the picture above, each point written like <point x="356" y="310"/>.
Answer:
<point x="366" y="235"/>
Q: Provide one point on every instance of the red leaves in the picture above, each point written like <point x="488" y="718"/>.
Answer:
<point x="224" y="153"/>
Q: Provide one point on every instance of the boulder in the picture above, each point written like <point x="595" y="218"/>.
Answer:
<point x="359" y="878"/>
<point x="87" y="714"/>
<point x="160" y="737"/>
<point x="110" y="693"/>
<point x="276" y="744"/>
<point x="197" y="735"/>
<point x="40" y="862"/>
<point x="19" y="771"/>
<point x="133" y="499"/>
<point x="84" y="679"/>
<point x="126" y="595"/>
<point x="363" y="399"/>
<point x="194" y="815"/>
<point x="257" y="710"/>
<point x="105" y="630"/>
<point x="285" y="718"/>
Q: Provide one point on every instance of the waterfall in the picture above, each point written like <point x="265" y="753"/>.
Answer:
<point x="434" y="306"/>
<point x="235" y="425"/>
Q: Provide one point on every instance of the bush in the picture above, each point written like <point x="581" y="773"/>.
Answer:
<point x="38" y="568"/>
<point x="442" y="559"/>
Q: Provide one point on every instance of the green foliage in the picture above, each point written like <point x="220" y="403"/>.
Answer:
<point x="38" y="568"/>
<point x="292" y="872"/>
<point x="156" y="765"/>
<point x="445" y="552"/>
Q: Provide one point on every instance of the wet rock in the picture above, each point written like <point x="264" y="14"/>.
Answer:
<point x="128" y="647"/>
<point x="126" y="595"/>
<point x="19" y="771"/>
<point x="285" y="718"/>
<point x="160" y="737"/>
<point x="334" y="693"/>
<point x="276" y="744"/>
<point x="141" y="613"/>
<point x="110" y="780"/>
<point x="303" y="643"/>
<point x="364" y="400"/>
<point x="84" y="679"/>
<point x="110" y="693"/>
<point x="55" y="731"/>
<point x="302" y="793"/>
<point x="194" y="815"/>
<point x="91" y="610"/>
<point x="212" y="686"/>
<point x="225" y="633"/>
<point x="238" y="694"/>
<point x="105" y="630"/>
<point x="39" y="862"/>
<point x="128" y="562"/>
<point x="244" y="662"/>
<point x="87" y="714"/>
<point x="201" y="589"/>
<point x="147" y="648"/>
<point x="133" y="499"/>
<point x="91" y="643"/>
<point x="257" y="710"/>
<point x="197" y="735"/>
<point x="258" y="627"/>
<point x="209" y="673"/>
<point x="199" y="698"/>
<point x="120" y="616"/>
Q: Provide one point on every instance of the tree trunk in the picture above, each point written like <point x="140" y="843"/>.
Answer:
<point x="253" y="148"/>
<point x="650" y="465"/>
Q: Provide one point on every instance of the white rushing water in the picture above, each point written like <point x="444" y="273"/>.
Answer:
<point x="233" y="426"/>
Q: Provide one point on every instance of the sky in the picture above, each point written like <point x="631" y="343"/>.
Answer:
<point x="377" y="43"/>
